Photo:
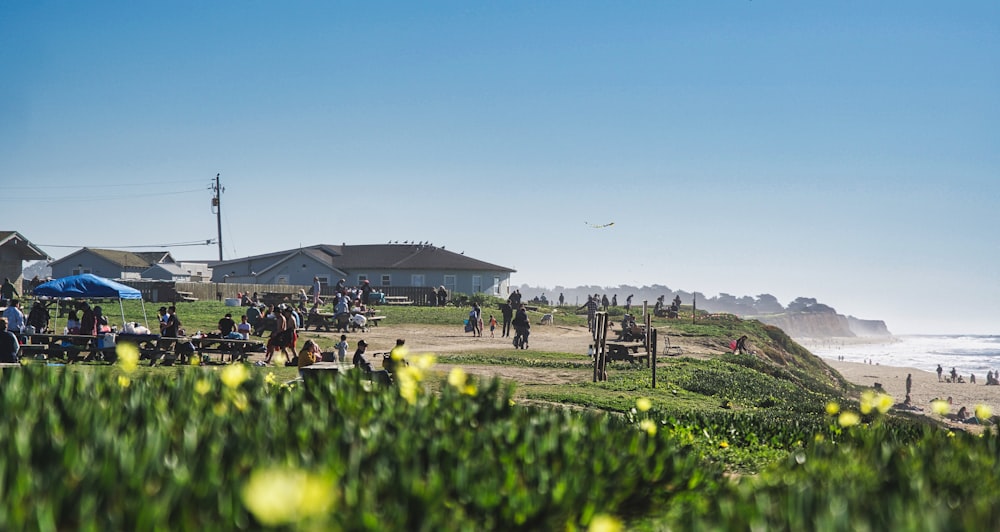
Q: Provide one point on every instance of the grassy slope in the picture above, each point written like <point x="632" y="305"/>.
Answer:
<point x="782" y="385"/>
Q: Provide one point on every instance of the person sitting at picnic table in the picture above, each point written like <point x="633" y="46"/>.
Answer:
<point x="14" y="317"/>
<point x="244" y="328"/>
<point x="359" y="356"/>
<point x="227" y="327"/>
<point x="342" y="306"/>
<point x="309" y="355"/>
<point x="10" y="348"/>
<point x="39" y="317"/>
<point x="102" y="320"/>
<point x="73" y="323"/>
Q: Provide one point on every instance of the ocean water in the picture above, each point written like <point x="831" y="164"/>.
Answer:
<point x="968" y="354"/>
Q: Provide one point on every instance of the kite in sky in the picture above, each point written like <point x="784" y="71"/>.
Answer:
<point x="599" y="226"/>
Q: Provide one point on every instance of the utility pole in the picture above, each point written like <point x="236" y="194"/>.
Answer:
<point x="217" y="207"/>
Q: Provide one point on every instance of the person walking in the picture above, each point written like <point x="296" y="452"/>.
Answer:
<point x="7" y="291"/>
<point x="476" y="320"/>
<point x="507" y="312"/>
<point x="909" y="382"/>
<point x="940" y="370"/>
<point x="591" y="306"/>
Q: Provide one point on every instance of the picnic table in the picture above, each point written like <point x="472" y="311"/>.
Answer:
<point x="236" y="349"/>
<point x="628" y="351"/>
<point x="66" y="346"/>
<point x="328" y="320"/>
<point x="397" y="300"/>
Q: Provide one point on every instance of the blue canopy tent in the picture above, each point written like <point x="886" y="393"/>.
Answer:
<point x="89" y="286"/>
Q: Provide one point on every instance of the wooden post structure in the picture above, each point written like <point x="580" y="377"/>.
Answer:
<point x="600" y="346"/>
<point x="652" y="357"/>
<point x="694" y="306"/>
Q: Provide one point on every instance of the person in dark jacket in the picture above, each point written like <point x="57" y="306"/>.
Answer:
<point x="10" y="348"/>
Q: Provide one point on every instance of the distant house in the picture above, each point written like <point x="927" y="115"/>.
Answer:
<point x="109" y="263"/>
<point x="383" y="265"/>
<point x="14" y="250"/>
<point x="195" y="272"/>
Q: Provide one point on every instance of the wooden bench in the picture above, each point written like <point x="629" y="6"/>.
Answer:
<point x="397" y="300"/>
<point x="373" y="320"/>
<point x="628" y="351"/>
<point x="186" y="296"/>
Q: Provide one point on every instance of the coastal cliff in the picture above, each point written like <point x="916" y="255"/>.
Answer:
<point x="824" y="323"/>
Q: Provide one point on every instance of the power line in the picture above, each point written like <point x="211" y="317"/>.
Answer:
<point x="206" y="242"/>
<point x="77" y="197"/>
<point x="103" y="185"/>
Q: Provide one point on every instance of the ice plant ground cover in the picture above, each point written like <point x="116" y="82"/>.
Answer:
<point x="724" y="443"/>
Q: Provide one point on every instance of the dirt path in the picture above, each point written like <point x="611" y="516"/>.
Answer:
<point x="440" y="339"/>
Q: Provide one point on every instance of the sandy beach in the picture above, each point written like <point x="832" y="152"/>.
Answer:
<point x="925" y="388"/>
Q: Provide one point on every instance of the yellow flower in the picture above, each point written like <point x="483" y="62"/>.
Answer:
<point x="399" y="353"/>
<point x="270" y="378"/>
<point x="128" y="356"/>
<point x="457" y="377"/>
<point x="832" y="408"/>
<point x="724" y="444"/>
<point x="284" y="496"/>
<point x="940" y="407"/>
<point x="124" y="381"/>
<point x="220" y="409"/>
<point x="409" y="378"/>
<point x="649" y="426"/>
<point x="883" y="402"/>
<point x="605" y="523"/>
<point x="849" y="419"/>
<point x="202" y="387"/>
<point x="867" y="400"/>
<point x="424" y="362"/>
<point x="460" y="380"/>
<point x="643" y="404"/>
<point x="983" y="412"/>
<point x="241" y="402"/>
<point x="234" y="375"/>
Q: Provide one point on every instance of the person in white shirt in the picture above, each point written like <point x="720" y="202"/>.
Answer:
<point x="14" y="316"/>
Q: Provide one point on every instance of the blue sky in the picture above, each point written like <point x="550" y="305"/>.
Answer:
<point x="847" y="151"/>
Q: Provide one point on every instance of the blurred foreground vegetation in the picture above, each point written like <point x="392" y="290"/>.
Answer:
<point x="775" y="441"/>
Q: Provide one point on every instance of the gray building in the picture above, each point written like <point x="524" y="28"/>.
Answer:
<point x="14" y="250"/>
<point x="109" y="263"/>
<point x="382" y="265"/>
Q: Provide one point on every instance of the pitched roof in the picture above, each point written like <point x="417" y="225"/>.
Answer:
<point x="383" y="256"/>
<point x="28" y="250"/>
<point x="407" y="256"/>
<point x="126" y="259"/>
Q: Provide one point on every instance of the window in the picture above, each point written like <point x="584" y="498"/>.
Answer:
<point x="386" y="279"/>
<point x="477" y="284"/>
<point x="417" y="279"/>
<point x="324" y="282"/>
<point x="449" y="283"/>
<point x="496" y="285"/>
<point x="362" y="279"/>
<point x="80" y="270"/>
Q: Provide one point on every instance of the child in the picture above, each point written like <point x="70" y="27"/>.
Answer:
<point x="493" y="325"/>
<point x="342" y="348"/>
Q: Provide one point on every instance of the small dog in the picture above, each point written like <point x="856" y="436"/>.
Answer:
<point x="546" y="319"/>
